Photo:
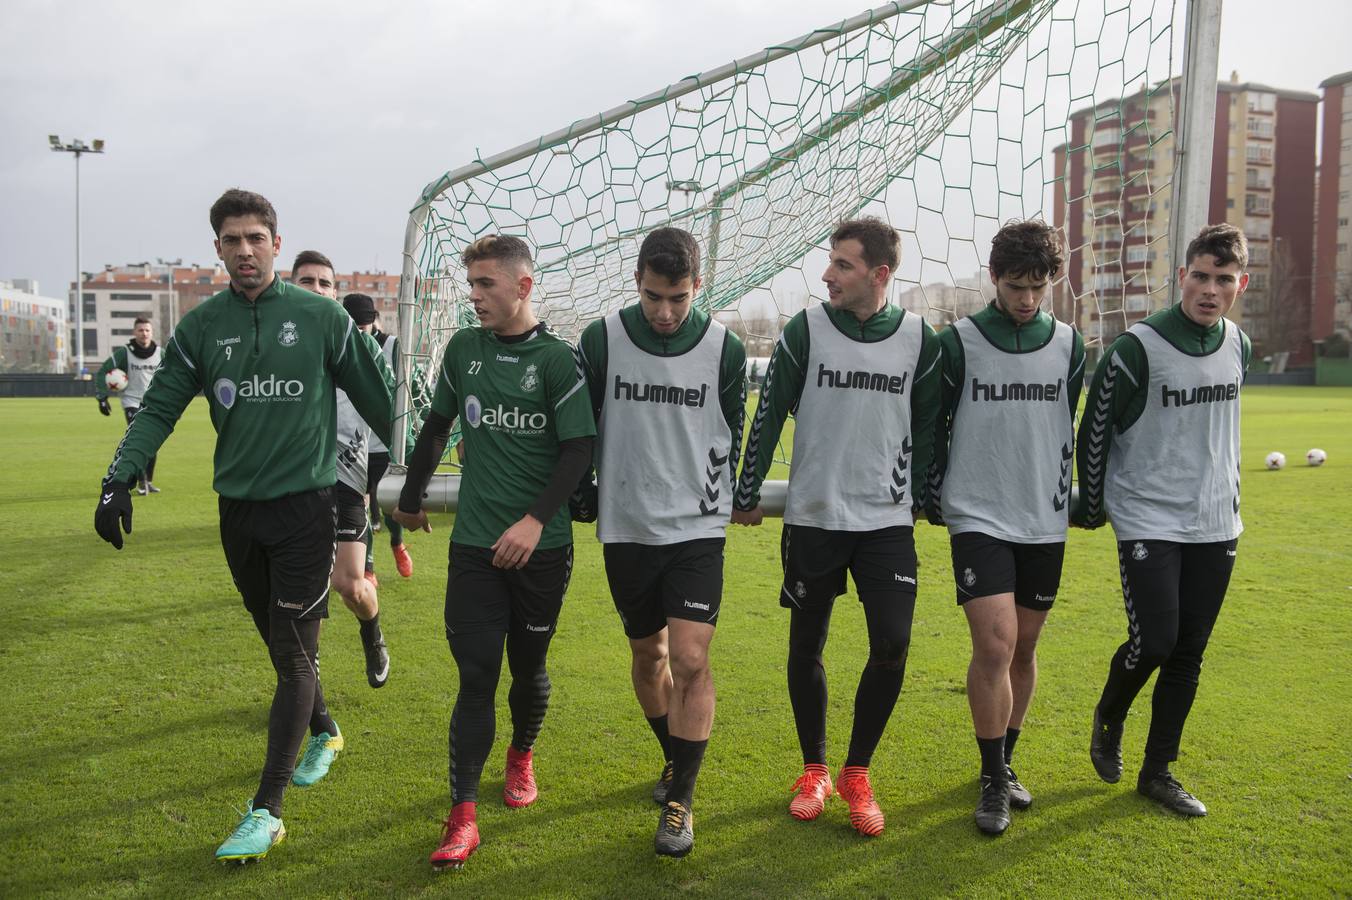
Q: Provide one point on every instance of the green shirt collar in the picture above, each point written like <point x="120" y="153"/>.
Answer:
<point x="276" y="289"/>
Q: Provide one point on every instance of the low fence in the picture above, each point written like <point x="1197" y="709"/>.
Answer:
<point x="16" y="385"/>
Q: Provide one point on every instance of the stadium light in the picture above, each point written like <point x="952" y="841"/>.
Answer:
<point x="79" y="148"/>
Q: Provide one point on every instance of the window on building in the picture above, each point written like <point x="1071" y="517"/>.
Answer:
<point x="1259" y="255"/>
<point x="1258" y="153"/>
<point x="1138" y="303"/>
<point x="117" y="296"/>
<point x="91" y="341"/>
<point x="1259" y="204"/>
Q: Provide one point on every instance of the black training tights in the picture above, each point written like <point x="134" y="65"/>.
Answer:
<point x="297" y="703"/>
<point x="473" y="721"/>
<point x="889" y="638"/>
<point x="1173" y="594"/>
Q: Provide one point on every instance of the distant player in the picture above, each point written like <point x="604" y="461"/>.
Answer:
<point x="1159" y="456"/>
<point x="268" y="356"/>
<point x="668" y="388"/>
<point x="139" y="359"/>
<point x="313" y="271"/>
<point x="1003" y="455"/>
<point x="862" y="378"/>
<point x="378" y="462"/>
<point x="522" y="404"/>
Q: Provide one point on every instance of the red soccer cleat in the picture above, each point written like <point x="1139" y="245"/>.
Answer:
<point x="865" y="815"/>
<point x="519" y="790"/>
<point x="459" y="838"/>
<point x="813" y="788"/>
<point x="403" y="562"/>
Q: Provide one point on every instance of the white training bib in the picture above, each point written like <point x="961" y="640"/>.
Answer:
<point x="852" y="437"/>
<point x="663" y="467"/>
<point x="139" y="372"/>
<point x="1174" y="474"/>
<point x="1012" y="444"/>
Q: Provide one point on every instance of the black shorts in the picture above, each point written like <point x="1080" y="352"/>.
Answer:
<point x="674" y="581"/>
<point x="352" y="522"/>
<point x="882" y="564"/>
<point x="480" y="597"/>
<point x="985" y="565"/>
<point x="280" y="552"/>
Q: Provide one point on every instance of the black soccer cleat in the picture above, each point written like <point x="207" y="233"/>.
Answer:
<point x="992" y="810"/>
<point x="1105" y="749"/>
<point x="377" y="661"/>
<point x="1019" y="798"/>
<point x="675" y="831"/>
<point x="1165" y="790"/>
<point x="664" y="784"/>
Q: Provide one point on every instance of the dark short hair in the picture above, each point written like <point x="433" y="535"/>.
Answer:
<point x="311" y="258"/>
<point x="669" y="252"/>
<point x="1026" y="247"/>
<point x="1223" y="241"/>
<point x="501" y="247"/>
<point x="881" y="243"/>
<point x="236" y="202"/>
<point x="141" y="320"/>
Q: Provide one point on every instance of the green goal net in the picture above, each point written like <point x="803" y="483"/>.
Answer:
<point x="944" y="118"/>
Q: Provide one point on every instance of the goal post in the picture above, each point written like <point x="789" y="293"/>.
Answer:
<point x="945" y="118"/>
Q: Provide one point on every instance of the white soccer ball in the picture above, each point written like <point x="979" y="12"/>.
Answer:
<point x="1316" y="457"/>
<point x="1275" y="460"/>
<point x="116" y="380"/>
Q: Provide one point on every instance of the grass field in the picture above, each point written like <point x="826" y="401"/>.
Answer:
<point x="136" y="695"/>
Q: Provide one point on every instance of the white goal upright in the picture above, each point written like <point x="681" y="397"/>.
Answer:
<point x="944" y="118"/>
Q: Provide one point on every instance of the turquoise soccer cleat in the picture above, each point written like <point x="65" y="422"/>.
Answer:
<point x="319" y="754"/>
<point x="257" y="833"/>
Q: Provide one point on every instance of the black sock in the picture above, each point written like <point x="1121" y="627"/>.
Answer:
<point x="1154" y="768"/>
<point x="1011" y="736"/>
<point x="686" y="758"/>
<point x="659" y="726"/>
<point x="992" y="757"/>
<point x="370" y="630"/>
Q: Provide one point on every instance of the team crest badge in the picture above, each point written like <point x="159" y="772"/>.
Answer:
<point x="800" y="590"/>
<point x="968" y="577"/>
<point x="530" y="381"/>
<point x="1139" y="552"/>
<point x="287" y="337"/>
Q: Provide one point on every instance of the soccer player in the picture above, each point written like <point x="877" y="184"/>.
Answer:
<point x="1012" y="376"/>
<point x="1159" y="455"/>
<point x="313" y="271"/>
<point x="139" y="359"/>
<point x="522" y="404"/>
<point x="668" y="389"/>
<point x="267" y="355"/>
<point x="862" y="377"/>
<point x="378" y="462"/>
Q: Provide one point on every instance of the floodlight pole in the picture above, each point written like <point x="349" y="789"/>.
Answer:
<point x="79" y="148"/>
<point x="1195" y="133"/>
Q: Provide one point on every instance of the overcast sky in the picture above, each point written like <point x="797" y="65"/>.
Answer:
<point x="341" y="112"/>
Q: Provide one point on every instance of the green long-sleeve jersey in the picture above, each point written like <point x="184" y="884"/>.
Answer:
<point x="1113" y="405"/>
<point x="786" y="375"/>
<point x="268" y="368"/>
<point x="1007" y="335"/>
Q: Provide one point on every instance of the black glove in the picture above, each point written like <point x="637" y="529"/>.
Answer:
<point x="583" y="504"/>
<point x="114" y="505"/>
<point x="104" y="407"/>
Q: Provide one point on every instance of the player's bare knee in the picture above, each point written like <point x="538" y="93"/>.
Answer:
<point x="689" y="665"/>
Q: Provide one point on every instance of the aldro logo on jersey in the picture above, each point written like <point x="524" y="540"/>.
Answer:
<point x="500" y="418"/>
<point x="861" y="380"/>
<point x="269" y="389"/>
